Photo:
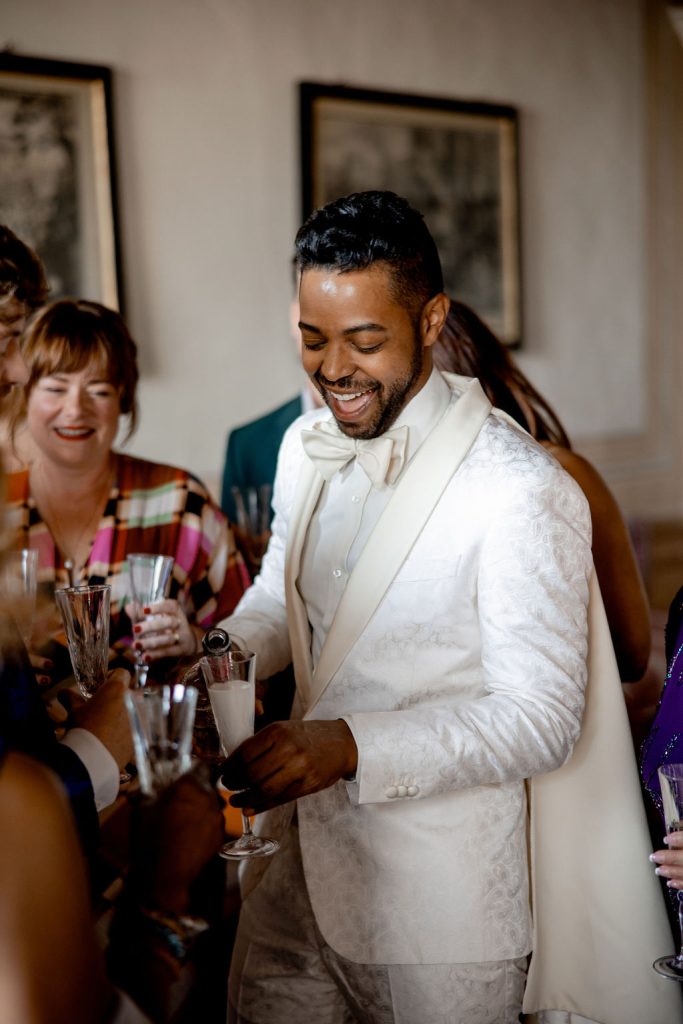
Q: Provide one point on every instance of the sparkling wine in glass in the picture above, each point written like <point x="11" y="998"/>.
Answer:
<point x="231" y="688"/>
<point x="149" y="577"/>
<point x="671" y="786"/>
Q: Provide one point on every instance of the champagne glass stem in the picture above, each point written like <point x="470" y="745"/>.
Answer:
<point x="141" y="672"/>
<point x="248" y="834"/>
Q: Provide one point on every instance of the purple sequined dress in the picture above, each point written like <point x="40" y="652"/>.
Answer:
<point x="664" y="742"/>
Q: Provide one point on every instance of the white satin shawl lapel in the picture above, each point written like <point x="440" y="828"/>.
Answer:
<point x="411" y="504"/>
<point x="308" y="488"/>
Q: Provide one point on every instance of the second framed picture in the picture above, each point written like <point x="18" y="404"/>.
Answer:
<point x="457" y="162"/>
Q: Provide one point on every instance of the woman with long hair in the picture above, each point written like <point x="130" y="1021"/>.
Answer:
<point x="468" y="347"/>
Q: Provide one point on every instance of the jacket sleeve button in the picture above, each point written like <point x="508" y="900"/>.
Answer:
<point x="401" y="790"/>
<point x="413" y="790"/>
<point x="391" y="793"/>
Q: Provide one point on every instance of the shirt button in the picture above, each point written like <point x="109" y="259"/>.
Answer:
<point x="355" y="499"/>
<point x="336" y="573"/>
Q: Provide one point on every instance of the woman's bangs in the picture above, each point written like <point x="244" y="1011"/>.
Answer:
<point x="69" y="355"/>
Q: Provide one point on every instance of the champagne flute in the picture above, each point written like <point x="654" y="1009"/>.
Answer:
<point x="85" y="614"/>
<point x="149" y="579"/>
<point x="19" y="580"/>
<point x="252" y="530"/>
<point x="161" y="720"/>
<point x="671" y="785"/>
<point x="233" y="696"/>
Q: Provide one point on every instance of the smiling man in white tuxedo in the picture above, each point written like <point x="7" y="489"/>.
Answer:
<point x="428" y="574"/>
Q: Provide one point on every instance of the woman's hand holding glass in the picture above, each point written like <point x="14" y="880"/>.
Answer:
<point x="166" y="633"/>
<point x="671" y="788"/>
<point x="149" y="576"/>
<point x="670" y="861"/>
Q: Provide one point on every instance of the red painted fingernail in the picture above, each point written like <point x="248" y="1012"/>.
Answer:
<point x="137" y="645"/>
<point x="137" y="629"/>
<point x="44" y="680"/>
<point x="147" y="610"/>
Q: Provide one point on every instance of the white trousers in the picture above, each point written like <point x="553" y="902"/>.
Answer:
<point x="283" y="971"/>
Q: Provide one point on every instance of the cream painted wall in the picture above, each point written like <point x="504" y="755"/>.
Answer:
<point x="207" y="148"/>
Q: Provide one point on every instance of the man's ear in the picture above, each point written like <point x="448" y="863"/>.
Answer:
<point x="433" y="317"/>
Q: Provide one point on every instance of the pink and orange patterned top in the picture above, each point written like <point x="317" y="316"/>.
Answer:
<point x="154" y="509"/>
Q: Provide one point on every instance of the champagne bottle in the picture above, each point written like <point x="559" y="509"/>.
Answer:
<point x="217" y="646"/>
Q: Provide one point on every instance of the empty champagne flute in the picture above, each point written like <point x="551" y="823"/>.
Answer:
<point x="149" y="577"/>
<point x="19" y="582"/>
<point x="161" y="720"/>
<point x="252" y="506"/>
<point x="232" y="692"/>
<point x="671" y="786"/>
<point x="85" y="614"/>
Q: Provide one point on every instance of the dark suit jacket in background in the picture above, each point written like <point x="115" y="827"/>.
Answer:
<point x="251" y="455"/>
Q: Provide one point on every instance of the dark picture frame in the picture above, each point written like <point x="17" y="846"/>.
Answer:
<point x="455" y="161"/>
<point x="57" y="172"/>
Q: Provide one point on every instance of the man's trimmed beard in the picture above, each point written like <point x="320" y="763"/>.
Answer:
<point x="391" y="400"/>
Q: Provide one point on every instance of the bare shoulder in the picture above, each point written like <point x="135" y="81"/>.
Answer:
<point x="26" y="783"/>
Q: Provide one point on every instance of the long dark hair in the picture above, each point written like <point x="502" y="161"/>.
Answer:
<point x="468" y="347"/>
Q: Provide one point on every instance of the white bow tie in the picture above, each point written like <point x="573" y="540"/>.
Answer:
<point x="381" y="458"/>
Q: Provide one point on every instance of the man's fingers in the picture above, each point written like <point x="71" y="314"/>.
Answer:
<point x="119" y="675"/>
<point x="278" y="790"/>
<point x="70" y="700"/>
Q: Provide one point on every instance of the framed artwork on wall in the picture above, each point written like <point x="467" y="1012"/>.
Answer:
<point x="57" y="173"/>
<point x="457" y="162"/>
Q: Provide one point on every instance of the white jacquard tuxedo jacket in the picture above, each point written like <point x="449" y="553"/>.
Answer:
<point x="458" y="657"/>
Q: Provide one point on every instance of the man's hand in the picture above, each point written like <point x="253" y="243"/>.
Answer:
<point x="287" y="760"/>
<point x="104" y="715"/>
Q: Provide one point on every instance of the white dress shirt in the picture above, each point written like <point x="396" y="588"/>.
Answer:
<point x="99" y="764"/>
<point x="348" y="511"/>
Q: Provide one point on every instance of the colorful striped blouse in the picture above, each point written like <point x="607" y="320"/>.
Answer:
<point x="151" y="509"/>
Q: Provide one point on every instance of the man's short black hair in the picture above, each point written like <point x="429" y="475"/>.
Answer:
<point x="365" y="228"/>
